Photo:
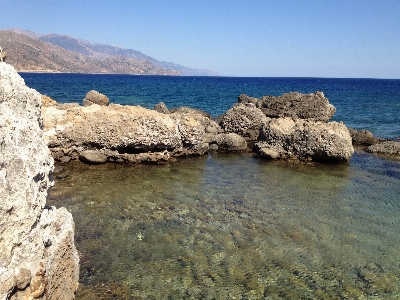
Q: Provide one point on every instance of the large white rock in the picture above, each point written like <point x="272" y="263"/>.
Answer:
<point x="38" y="258"/>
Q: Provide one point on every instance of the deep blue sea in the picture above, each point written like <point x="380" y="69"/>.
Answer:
<point x="372" y="104"/>
<point x="234" y="226"/>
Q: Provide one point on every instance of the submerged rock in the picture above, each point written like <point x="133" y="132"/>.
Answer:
<point x="93" y="157"/>
<point x="286" y="138"/>
<point x="38" y="258"/>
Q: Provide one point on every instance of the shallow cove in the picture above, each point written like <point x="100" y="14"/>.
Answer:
<point x="236" y="227"/>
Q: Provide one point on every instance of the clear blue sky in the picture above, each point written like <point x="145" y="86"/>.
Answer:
<point x="310" y="38"/>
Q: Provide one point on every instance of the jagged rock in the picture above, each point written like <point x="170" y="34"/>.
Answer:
<point x="161" y="108"/>
<point x="295" y="105"/>
<point x="363" y="137"/>
<point x="94" y="97"/>
<point x="305" y="140"/>
<point x="229" y="142"/>
<point x="38" y="258"/>
<point x="93" y="157"/>
<point x="244" y="119"/>
<point x="387" y="148"/>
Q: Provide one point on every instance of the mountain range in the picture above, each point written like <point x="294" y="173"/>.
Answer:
<point x="30" y="52"/>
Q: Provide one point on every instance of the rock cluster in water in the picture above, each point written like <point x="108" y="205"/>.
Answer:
<point x="131" y="134"/>
<point x="292" y="126"/>
<point x="38" y="259"/>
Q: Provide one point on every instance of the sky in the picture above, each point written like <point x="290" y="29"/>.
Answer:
<point x="265" y="38"/>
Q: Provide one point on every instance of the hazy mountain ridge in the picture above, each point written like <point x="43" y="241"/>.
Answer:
<point x="31" y="54"/>
<point x="104" y="58"/>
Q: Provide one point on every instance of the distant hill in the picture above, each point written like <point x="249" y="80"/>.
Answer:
<point x="28" y="51"/>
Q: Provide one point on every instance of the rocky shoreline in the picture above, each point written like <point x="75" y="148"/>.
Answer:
<point x="293" y="126"/>
<point x="38" y="258"/>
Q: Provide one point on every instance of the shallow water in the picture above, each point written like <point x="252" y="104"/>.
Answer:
<point x="236" y="227"/>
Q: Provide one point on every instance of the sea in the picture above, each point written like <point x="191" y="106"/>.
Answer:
<point x="234" y="226"/>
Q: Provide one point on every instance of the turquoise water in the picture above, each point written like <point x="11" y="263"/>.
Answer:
<point x="371" y="104"/>
<point x="236" y="227"/>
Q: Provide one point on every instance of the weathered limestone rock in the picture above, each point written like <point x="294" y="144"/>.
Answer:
<point x="295" y="105"/>
<point x="130" y="134"/>
<point x="38" y="258"/>
<point x="305" y="140"/>
<point x="386" y="148"/>
<point x="116" y="127"/>
<point x="244" y="119"/>
<point x="363" y="137"/>
<point x="94" y="97"/>
<point x="192" y="131"/>
<point x="229" y="142"/>
<point x="93" y="157"/>
<point x="161" y="108"/>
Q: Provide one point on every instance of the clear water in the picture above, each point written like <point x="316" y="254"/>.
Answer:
<point x="372" y="104"/>
<point x="236" y="227"/>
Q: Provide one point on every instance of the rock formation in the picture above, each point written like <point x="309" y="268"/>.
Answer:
<point x="291" y="126"/>
<point x="94" y="97"/>
<point x="244" y="119"/>
<point x="131" y="134"/>
<point x="38" y="259"/>
<point x="363" y="137"/>
<point x="286" y="138"/>
<point x="386" y="148"/>
<point x="295" y="105"/>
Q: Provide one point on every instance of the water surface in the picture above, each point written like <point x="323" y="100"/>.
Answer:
<point x="236" y="227"/>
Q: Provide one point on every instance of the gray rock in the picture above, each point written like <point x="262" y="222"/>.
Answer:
<point x="94" y="97"/>
<point x="230" y="142"/>
<point x="268" y="153"/>
<point x="363" y="137"/>
<point x="295" y="105"/>
<point x="161" y="108"/>
<point x="386" y="148"/>
<point x="305" y="140"/>
<point x="244" y="119"/>
<point x="37" y="242"/>
<point x="93" y="157"/>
